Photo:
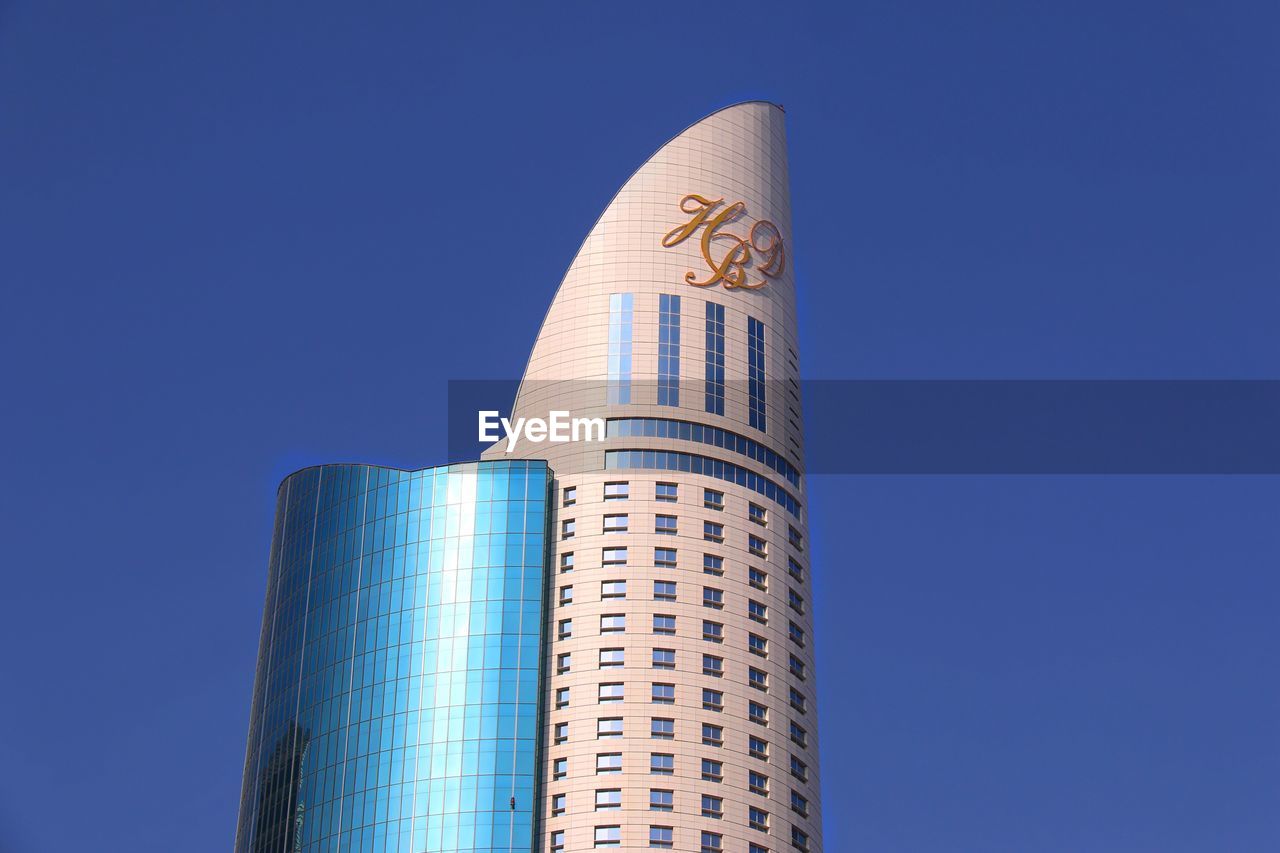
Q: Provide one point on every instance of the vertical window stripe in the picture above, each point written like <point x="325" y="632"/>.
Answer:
<point x="755" y="372"/>
<point x="668" y="350"/>
<point x="715" y="358"/>
<point x="619" y="374"/>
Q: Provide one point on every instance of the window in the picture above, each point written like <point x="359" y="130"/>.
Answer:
<point x="712" y="665"/>
<point x="613" y="589"/>
<point x="673" y="460"/>
<point x="712" y="807"/>
<point x="712" y="735"/>
<point x="668" y="351"/>
<point x="799" y="839"/>
<point x="799" y="735"/>
<point x="796" y="666"/>
<point x="757" y="578"/>
<point x="715" y="359"/>
<point x="796" y="633"/>
<point x="663" y="624"/>
<point x="758" y="819"/>
<point x="617" y="491"/>
<point x="799" y="769"/>
<point x="795" y="538"/>
<point x="611" y="658"/>
<point x="565" y="630"/>
<point x="666" y="492"/>
<point x="608" y="799"/>
<point x="616" y="523"/>
<point x="664" y="524"/>
<point x="758" y="747"/>
<point x="794" y="599"/>
<point x="609" y="762"/>
<point x="558" y="804"/>
<point x="758" y="782"/>
<point x="566" y="595"/>
<point x="608" y="727"/>
<point x="660" y="800"/>
<point x="561" y="732"/>
<point x="611" y="692"/>
<point x="613" y="623"/>
<point x="712" y="771"/>
<point x="662" y="763"/>
<point x="608" y="836"/>
<point x="562" y="697"/>
<point x="757" y="611"/>
<point x="566" y="561"/>
<point x="559" y="768"/>
<point x="664" y="558"/>
<point x="755" y="373"/>
<point x="798" y="700"/>
<point x="756" y="848"/>
<point x="557" y="841"/>
<point x="799" y="804"/>
<point x="664" y="590"/>
<point x="570" y="495"/>
<point x="757" y="546"/>
<point x="613" y="556"/>
<point x="712" y="597"/>
<point x="758" y="713"/>
<point x="712" y="565"/>
<point x="758" y="645"/>
<point x="712" y="499"/>
<point x="663" y="694"/>
<point x="712" y="532"/>
<point x="662" y="728"/>
<point x="757" y="678"/>
<point x="713" y="631"/>
<point x="712" y="842"/>
<point x="660" y="836"/>
<point x="664" y="658"/>
<point x="757" y="513"/>
<point x="567" y="527"/>
<point x="795" y="569"/>
<point x="712" y="700"/>
<point x="564" y="662"/>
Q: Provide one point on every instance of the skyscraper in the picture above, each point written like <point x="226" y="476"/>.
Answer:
<point x="675" y="681"/>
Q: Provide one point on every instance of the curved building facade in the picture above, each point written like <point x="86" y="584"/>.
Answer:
<point x="680" y="669"/>
<point x="395" y="705"/>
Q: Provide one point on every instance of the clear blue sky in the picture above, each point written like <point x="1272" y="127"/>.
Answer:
<point x="240" y="239"/>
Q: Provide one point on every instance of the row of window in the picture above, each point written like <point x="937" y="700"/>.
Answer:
<point x="663" y="800"/>
<point x="702" y="434"/>
<point x="666" y="658"/>
<point x="713" y="597"/>
<point x="666" y="558"/>
<point x="664" y="728"/>
<point x="662" y="837"/>
<point x="692" y="463"/>
<point x="665" y="623"/>
<point x="662" y="693"/>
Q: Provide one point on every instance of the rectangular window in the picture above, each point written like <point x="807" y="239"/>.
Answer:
<point x="608" y="836"/>
<point x="712" y="565"/>
<point x="758" y="514"/>
<point x="756" y="848"/>
<point x="608" y="799"/>
<point x="712" y="700"/>
<point x="758" y="783"/>
<point x="609" y="762"/>
<point x="613" y="623"/>
<point x="664" y="658"/>
<point x="712" y="735"/>
<point x="713" y="631"/>
<point x="757" y="678"/>
<point x="664" y="590"/>
<point x="665" y="524"/>
<point x="565" y="629"/>
<point x="660" y="800"/>
<point x="618" y="491"/>
<point x="799" y="769"/>
<point x="610" y="658"/>
<point x="662" y="728"/>
<point x="758" y="747"/>
<point x="799" y="839"/>
<point x="563" y="662"/>
<point x="758" y="611"/>
<point x="712" y="771"/>
<point x="795" y="538"/>
<point x="712" y="597"/>
<point x="660" y="836"/>
<point x="796" y="633"/>
<point x="615" y="556"/>
<point x="668" y="350"/>
<point x="561" y="732"/>
<point x="799" y="804"/>
<point x="794" y="599"/>
<point x="616" y="523"/>
<point x="559" y="768"/>
<point x="758" y="645"/>
<point x="562" y="697"/>
<point x="663" y="694"/>
<point x="758" y="819"/>
<point x="610" y="692"/>
<point x="796" y="570"/>
<point x="608" y="727"/>
<point x="796" y="666"/>
<point x="755" y="373"/>
<point x="570" y="495"/>
<point x="662" y="763"/>
<point x="557" y="841"/>
<point x="613" y="589"/>
<point x="566" y="596"/>
<point x="798" y="701"/>
<point x="758" y="713"/>
<point x="619" y="367"/>
<point x="566" y="561"/>
<point x="799" y="735"/>
<point x="667" y="492"/>
<point x="664" y="558"/>
<point x="664" y="624"/>
<point x="567" y="528"/>
<point x="712" y="532"/>
<point x="712" y="807"/>
<point x="757" y="578"/>
<point x="712" y="499"/>
<point x="757" y="546"/>
<point x="712" y="842"/>
<point x="715" y="359"/>
<point x="712" y="665"/>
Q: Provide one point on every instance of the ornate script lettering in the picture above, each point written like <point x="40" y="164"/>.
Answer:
<point x="731" y="267"/>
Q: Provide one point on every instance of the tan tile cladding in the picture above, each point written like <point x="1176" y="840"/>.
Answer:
<point x="738" y="153"/>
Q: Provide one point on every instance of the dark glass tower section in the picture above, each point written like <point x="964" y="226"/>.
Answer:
<point x="395" y="706"/>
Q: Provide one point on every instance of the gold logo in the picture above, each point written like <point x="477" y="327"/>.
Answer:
<point x="764" y="239"/>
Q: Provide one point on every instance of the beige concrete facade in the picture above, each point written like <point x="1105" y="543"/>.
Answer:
<point x="736" y="154"/>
